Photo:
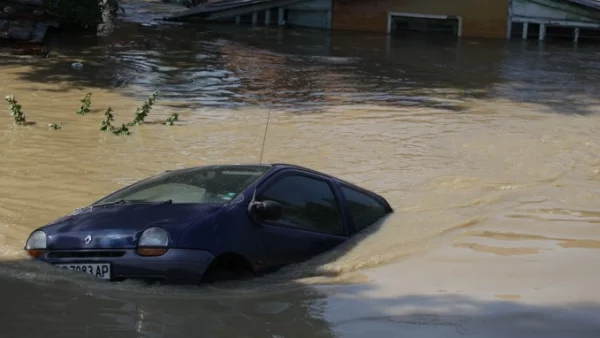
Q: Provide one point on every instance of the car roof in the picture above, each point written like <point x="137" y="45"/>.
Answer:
<point x="282" y="166"/>
<point x="256" y="165"/>
<point x="276" y="165"/>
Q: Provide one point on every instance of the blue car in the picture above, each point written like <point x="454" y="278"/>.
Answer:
<point x="209" y="223"/>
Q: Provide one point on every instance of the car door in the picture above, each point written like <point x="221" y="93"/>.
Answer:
<point x="312" y="221"/>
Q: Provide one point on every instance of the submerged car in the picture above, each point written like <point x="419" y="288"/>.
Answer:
<point x="209" y="223"/>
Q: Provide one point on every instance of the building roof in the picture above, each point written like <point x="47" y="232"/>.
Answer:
<point x="587" y="3"/>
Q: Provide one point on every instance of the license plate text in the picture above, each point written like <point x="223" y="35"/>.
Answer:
<point x="101" y="270"/>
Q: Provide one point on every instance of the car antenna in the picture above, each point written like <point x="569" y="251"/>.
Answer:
<point x="262" y="151"/>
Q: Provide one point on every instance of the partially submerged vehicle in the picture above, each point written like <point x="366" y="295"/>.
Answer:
<point x="209" y="223"/>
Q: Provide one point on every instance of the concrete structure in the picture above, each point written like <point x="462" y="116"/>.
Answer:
<point x="538" y="18"/>
<point x="303" y="13"/>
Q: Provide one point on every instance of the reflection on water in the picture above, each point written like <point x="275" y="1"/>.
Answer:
<point x="227" y="66"/>
<point x="78" y="312"/>
<point x="463" y="138"/>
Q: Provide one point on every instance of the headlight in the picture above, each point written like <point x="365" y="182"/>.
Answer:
<point x="36" y="244"/>
<point x="153" y="242"/>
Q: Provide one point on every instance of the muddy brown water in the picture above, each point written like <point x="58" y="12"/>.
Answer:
<point x="491" y="139"/>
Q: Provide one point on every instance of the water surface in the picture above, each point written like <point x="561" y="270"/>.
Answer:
<point x="488" y="147"/>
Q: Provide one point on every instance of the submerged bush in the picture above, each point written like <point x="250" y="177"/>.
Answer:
<point x="171" y="120"/>
<point x="106" y="124"/>
<point x="15" y="110"/>
<point x="85" y="104"/>
<point x="143" y="111"/>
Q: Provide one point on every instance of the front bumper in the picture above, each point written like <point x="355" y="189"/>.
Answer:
<point x="177" y="265"/>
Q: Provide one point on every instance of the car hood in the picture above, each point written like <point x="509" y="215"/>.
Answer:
<point x="120" y="225"/>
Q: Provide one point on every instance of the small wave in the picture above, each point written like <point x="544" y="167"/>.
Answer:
<point x="327" y="60"/>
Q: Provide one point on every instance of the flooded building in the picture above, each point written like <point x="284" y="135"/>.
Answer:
<point x="468" y="18"/>
<point x="477" y="18"/>
<point x="473" y="18"/>
<point x="485" y="18"/>
<point x="554" y="18"/>
<point x="303" y="13"/>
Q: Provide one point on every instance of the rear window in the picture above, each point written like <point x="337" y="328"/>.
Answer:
<point x="364" y="209"/>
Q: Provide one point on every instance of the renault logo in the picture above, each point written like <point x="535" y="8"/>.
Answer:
<point x="87" y="239"/>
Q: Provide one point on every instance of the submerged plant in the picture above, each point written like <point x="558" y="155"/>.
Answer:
<point x="142" y="112"/>
<point x="123" y="130"/>
<point x="15" y="110"/>
<point x="106" y="124"/>
<point x="171" y="120"/>
<point x="86" y="103"/>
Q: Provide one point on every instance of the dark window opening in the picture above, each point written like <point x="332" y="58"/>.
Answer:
<point x="533" y="30"/>
<point x="559" y="33"/>
<point x="261" y="17"/>
<point x="589" y="34"/>
<point x="516" y="29"/>
<point x="403" y="25"/>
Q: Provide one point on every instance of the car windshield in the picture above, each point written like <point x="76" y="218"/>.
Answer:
<point x="215" y="184"/>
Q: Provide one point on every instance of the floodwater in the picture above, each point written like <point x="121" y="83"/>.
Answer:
<point x="488" y="151"/>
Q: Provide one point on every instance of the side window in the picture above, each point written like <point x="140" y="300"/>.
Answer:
<point x="364" y="209"/>
<point x="308" y="204"/>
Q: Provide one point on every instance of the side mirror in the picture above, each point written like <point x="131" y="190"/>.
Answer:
<point x="267" y="210"/>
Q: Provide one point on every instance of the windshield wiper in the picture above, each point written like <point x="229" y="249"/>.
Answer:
<point x="121" y="201"/>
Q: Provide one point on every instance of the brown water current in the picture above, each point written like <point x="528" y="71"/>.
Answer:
<point x="490" y="147"/>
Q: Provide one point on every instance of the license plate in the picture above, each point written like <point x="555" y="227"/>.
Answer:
<point x="100" y="270"/>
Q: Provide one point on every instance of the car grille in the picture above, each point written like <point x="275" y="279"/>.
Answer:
<point x="86" y="254"/>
